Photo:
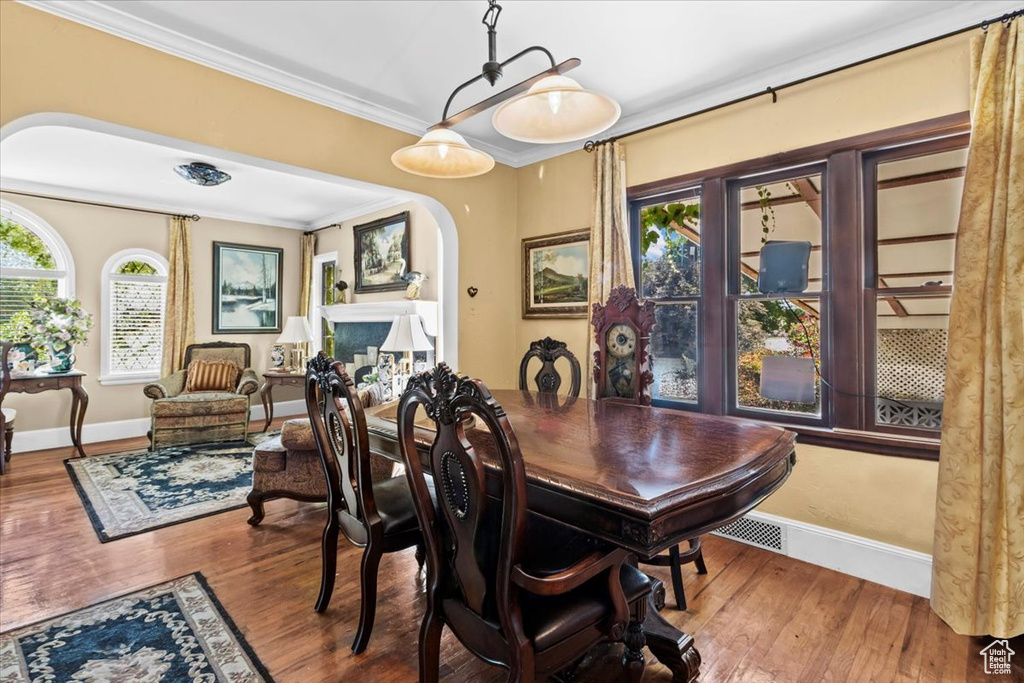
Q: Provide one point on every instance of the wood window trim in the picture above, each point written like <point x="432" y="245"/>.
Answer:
<point x="951" y="124"/>
<point x="848" y="410"/>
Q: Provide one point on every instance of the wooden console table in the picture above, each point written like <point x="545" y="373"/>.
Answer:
<point x="34" y="384"/>
<point x="287" y="379"/>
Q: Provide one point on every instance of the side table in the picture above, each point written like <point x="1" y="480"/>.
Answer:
<point x="37" y="383"/>
<point x="270" y="379"/>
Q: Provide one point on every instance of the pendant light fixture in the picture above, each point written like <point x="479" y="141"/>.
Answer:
<point x="546" y="108"/>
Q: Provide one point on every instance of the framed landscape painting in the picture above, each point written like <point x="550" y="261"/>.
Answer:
<point x="382" y="254"/>
<point x="556" y="275"/>
<point x="246" y="289"/>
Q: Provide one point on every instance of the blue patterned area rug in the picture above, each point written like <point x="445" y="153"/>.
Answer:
<point x="171" y="633"/>
<point x="131" y="493"/>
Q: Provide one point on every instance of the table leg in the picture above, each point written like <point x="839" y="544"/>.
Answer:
<point x="268" y="404"/>
<point x="79" y="402"/>
<point x="670" y="646"/>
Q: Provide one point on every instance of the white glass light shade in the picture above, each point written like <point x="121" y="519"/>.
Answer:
<point x="556" y="109"/>
<point x="442" y="153"/>
<point x="296" y="331"/>
<point x="407" y="335"/>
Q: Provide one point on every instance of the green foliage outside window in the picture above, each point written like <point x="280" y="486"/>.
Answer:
<point x="136" y="268"/>
<point x="22" y="248"/>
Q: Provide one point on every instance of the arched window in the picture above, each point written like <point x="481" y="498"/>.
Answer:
<point x="134" y="291"/>
<point x="34" y="262"/>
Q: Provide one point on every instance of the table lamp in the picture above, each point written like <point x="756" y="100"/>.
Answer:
<point x="406" y="335"/>
<point x="296" y="331"/>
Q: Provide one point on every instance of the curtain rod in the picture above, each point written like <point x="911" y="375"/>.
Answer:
<point x="590" y="145"/>
<point x="192" y="217"/>
<point x="313" y="232"/>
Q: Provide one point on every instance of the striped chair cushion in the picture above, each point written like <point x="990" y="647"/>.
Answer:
<point x="211" y="375"/>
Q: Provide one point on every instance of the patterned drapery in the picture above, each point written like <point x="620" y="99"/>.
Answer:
<point x="978" y="556"/>
<point x="179" y="315"/>
<point x="306" y="295"/>
<point x="611" y="263"/>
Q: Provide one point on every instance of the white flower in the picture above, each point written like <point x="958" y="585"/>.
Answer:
<point x="64" y="336"/>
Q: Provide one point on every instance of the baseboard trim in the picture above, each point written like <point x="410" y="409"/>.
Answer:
<point x="882" y="563"/>
<point x="59" y="437"/>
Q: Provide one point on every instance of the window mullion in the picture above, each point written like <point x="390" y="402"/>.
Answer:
<point x="712" y="310"/>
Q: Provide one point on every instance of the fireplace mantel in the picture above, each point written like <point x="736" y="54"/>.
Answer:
<point x="383" y="311"/>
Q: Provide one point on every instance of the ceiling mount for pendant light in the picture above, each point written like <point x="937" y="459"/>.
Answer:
<point x="201" y="173"/>
<point x="547" y="108"/>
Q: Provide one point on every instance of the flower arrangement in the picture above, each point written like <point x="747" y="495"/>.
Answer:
<point x="58" y="323"/>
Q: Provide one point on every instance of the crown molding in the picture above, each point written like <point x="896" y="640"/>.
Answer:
<point x="111" y="20"/>
<point x="364" y="209"/>
<point x="123" y="25"/>
<point x="73" y="193"/>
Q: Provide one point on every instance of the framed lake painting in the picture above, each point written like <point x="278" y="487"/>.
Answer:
<point x="382" y="254"/>
<point x="556" y="275"/>
<point x="247" y="289"/>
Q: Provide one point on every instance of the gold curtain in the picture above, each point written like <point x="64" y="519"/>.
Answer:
<point x="179" y="316"/>
<point x="978" y="556"/>
<point x="306" y="295"/>
<point x="611" y="263"/>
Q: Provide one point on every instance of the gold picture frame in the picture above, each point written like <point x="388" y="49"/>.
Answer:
<point x="556" y="275"/>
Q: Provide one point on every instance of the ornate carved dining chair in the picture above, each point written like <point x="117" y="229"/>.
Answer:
<point x="547" y="351"/>
<point x="376" y="516"/>
<point x="622" y="372"/>
<point x="7" y="415"/>
<point x="530" y="599"/>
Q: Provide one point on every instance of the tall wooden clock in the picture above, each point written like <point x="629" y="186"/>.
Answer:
<point x="622" y="334"/>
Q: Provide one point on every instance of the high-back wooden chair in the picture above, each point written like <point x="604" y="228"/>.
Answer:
<point x="7" y="415"/>
<point x="379" y="517"/>
<point x="484" y="576"/>
<point x="547" y="351"/>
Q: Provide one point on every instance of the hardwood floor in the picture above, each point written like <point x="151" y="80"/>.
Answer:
<point x="756" y="616"/>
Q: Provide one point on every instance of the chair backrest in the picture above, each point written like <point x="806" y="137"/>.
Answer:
<point x="342" y="442"/>
<point x="473" y="541"/>
<point x="5" y="374"/>
<point x="548" y="350"/>
<point x="238" y="353"/>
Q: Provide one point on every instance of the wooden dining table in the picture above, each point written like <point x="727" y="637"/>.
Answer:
<point x="642" y="478"/>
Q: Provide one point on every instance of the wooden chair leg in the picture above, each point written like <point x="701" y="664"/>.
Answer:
<point x="701" y="567"/>
<point x="328" y="563"/>
<point x="633" y="657"/>
<point x="368" y="606"/>
<point x="8" y="440"/>
<point x="430" y="647"/>
<point x="421" y="557"/>
<point x="255" y="501"/>
<point x="677" y="577"/>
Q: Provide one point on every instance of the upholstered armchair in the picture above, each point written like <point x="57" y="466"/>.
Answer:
<point x="209" y="406"/>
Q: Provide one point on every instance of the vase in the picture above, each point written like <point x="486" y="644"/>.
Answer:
<point x="22" y="360"/>
<point x="61" y="359"/>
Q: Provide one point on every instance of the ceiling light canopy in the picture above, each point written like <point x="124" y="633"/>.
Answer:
<point x="556" y="109"/>
<point x="547" y="108"/>
<point x="202" y="174"/>
<point x="442" y="153"/>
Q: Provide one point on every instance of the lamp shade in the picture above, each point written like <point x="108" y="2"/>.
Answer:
<point x="556" y="109"/>
<point x="296" y="331"/>
<point x="407" y="335"/>
<point x="442" y="153"/>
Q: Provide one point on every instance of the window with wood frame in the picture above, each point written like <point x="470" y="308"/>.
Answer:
<point x="868" y="333"/>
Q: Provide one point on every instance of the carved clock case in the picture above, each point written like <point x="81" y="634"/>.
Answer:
<point x="622" y="333"/>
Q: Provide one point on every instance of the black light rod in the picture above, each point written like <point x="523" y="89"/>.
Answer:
<point x="192" y="217"/>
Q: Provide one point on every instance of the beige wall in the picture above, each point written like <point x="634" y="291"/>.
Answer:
<point x="884" y="498"/>
<point x="423" y="249"/>
<point x="48" y="64"/>
<point x="93" y="235"/>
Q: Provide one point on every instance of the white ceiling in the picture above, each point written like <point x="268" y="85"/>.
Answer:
<point x="95" y="166"/>
<point x="396" y="62"/>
